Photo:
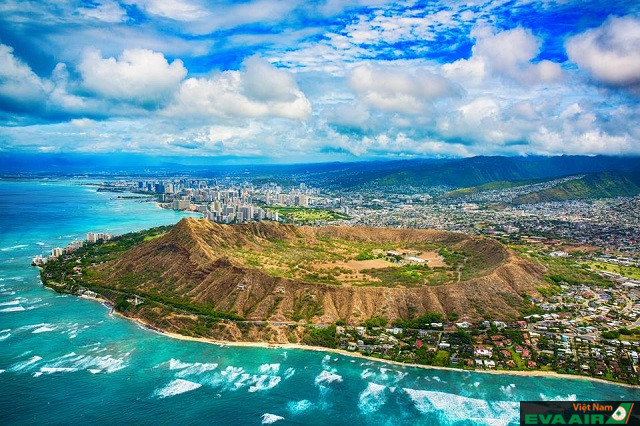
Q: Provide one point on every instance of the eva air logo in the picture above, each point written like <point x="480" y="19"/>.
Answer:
<point x="621" y="415"/>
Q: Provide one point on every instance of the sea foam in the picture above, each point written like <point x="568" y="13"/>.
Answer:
<point x="268" y="418"/>
<point x="269" y="368"/>
<point x="19" y="366"/>
<point x="264" y="382"/>
<point x="327" y="377"/>
<point x="176" y="387"/>
<point x="372" y="398"/>
<point x="451" y="408"/>
<point x="297" y="407"/>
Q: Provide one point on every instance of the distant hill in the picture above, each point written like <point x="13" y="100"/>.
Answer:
<point x="591" y="186"/>
<point x="457" y="173"/>
<point x="476" y="171"/>
<point x="491" y="186"/>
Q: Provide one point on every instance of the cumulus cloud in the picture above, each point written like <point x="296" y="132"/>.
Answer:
<point x="347" y="116"/>
<point x="507" y="54"/>
<point x="139" y="76"/>
<point x="20" y="87"/>
<point x="260" y="90"/>
<point x="403" y="90"/>
<point x="611" y="52"/>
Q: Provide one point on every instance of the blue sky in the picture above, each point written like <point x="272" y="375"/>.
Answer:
<point x="292" y="81"/>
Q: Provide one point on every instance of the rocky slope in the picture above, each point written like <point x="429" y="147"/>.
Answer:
<point x="189" y="264"/>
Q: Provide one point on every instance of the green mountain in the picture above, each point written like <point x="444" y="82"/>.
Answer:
<point x="491" y="186"/>
<point x="469" y="172"/>
<point x="591" y="186"/>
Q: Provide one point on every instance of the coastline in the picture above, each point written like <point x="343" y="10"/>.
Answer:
<point x="296" y="346"/>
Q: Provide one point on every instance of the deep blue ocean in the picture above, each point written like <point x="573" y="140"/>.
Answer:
<point x="67" y="360"/>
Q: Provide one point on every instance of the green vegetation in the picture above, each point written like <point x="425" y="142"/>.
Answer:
<point x="365" y="255"/>
<point x="495" y="185"/>
<point x="591" y="186"/>
<point x="611" y="334"/>
<point x="632" y="272"/>
<point x="408" y="276"/>
<point x="562" y="270"/>
<point x="451" y="258"/>
<point x="306" y="214"/>
<point x="375" y="322"/>
<point x="325" y="337"/>
<point x="565" y="270"/>
<point x="441" y="359"/>
<point x="423" y="321"/>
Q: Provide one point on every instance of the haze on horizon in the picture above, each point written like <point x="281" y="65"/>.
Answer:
<point x="295" y="81"/>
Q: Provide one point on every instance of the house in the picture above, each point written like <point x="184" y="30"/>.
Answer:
<point x="489" y="363"/>
<point x="482" y="352"/>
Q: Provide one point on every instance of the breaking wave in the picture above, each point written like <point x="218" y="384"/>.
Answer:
<point x="571" y="397"/>
<point x="268" y="418"/>
<point x="289" y="372"/>
<point x="372" y="398"/>
<point x="176" y="387"/>
<point x="264" y="382"/>
<point x="24" y="365"/>
<point x="190" y="369"/>
<point x="269" y="368"/>
<point x="17" y="247"/>
<point x="452" y="408"/>
<point x="13" y="309"/>
<point x="327" y="377"/>
<point x="44" y="328"/>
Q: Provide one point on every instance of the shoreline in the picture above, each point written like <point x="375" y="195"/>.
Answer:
<point x="297" y="346"/>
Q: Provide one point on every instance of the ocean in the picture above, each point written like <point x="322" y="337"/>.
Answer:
<point x="68" y="360"/>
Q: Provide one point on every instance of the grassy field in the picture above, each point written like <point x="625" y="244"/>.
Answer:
<point x="349" y="262"/>
<point x="306" y="214"/>
<point x="632" y="272"/>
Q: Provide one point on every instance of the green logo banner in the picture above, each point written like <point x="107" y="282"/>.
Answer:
<point x="579" y="413"/>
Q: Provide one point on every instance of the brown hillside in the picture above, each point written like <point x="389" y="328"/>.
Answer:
<point x="196" y="262"/>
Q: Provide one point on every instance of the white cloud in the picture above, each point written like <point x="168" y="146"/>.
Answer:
<point x="107" y="11"/>
<point x="508" y="54"/>
<point x="347" y="115"/>
<point x="200" y="17"/>
<point x="261" y="90"/>
<point x="611" y="52"/>
<point x="402" y="90"/>
<point x="179" y="10"/>
<point x="19" y="85"/>
<point x="140" y="76"/>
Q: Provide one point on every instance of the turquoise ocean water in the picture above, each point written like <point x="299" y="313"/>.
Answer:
<point x="67" y="360"/>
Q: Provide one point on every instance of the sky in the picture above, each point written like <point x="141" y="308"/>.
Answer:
<point x="307" y="81"/>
